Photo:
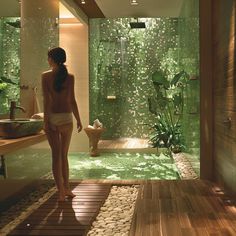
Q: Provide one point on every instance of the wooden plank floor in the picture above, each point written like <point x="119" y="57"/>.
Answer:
<point x="183" y="208"/>
<point x="123" y="143"/>
<point x="73" y="217"/>
<point x="165" y="208"/>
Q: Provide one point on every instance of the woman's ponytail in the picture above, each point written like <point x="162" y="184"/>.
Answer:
<point x="58" y="55"/>
<point x="60" y="77"/>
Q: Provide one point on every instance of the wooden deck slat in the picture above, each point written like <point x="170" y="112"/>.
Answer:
<point x="86" y="198"/>
<point x="52" y="227"/>
<point x="163" y="208"/>
<point x="73" y="217"/>
<point x="123" y="143"/>
<point x="75" y="205"/>
<point x="49" y="232"/>
<point x="183" y="208"/>
<point x="65" y="214"/>
<point x="194" y="232"/>
<point x="170" y="224"/>
<point x="68" y="210"/>
<point x="69" y="221"/>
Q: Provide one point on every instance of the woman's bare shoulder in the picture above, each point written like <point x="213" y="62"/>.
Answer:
<point x="47" y="74"/>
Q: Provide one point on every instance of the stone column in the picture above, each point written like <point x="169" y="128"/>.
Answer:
<point x="39" y="32"/>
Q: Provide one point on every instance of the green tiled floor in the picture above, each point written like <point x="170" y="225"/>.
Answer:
<point x="33" y="163"/>
<point x="122" y="166"/>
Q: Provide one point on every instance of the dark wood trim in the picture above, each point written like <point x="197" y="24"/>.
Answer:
<point x="11" y="145"/>
<point x="206" y="91"/>
<point x="90" y="8"/>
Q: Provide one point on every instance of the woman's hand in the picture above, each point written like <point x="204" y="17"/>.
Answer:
<point x="79" y="126"/>
<point x="46" y="127"/>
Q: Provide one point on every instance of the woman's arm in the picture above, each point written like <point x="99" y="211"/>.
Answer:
<point x="45" y="103"/>
<point x="74" y="106"/>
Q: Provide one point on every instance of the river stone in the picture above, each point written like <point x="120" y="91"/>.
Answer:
<point x="116" y="214"/>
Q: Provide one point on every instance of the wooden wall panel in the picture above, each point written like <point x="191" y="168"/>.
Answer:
<point x="224" y="88"/>
<point x="206" y="91"/>
<point x="223" y="127"/>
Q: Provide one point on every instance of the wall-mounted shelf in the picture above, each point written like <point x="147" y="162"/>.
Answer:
<point x="111" y="97"/>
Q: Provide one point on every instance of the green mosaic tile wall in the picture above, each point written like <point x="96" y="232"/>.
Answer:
<point x="189" y="59"/>
<point x="122" y="61"/>
<point x="9" y="60"/>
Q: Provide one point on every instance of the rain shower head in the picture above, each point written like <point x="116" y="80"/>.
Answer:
<point x="137" y="25"/>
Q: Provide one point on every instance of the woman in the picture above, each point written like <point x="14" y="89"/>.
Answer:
<point x="59" y="104"/>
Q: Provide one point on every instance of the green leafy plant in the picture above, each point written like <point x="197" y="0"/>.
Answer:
<point x="167" y="135"/>
<point x="8" y="91"/>
<point x="4" y="82"/>
<point x="167" y="105"/>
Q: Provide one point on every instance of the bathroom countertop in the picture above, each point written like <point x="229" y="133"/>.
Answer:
<point x="11" y="145"/>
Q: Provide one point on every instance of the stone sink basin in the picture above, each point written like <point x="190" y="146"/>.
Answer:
<point x="20" y="127"/>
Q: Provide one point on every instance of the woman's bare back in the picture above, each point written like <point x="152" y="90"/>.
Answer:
<point x="59" y="102"/>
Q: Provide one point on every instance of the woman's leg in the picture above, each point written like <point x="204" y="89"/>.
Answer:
<point x="54" y="140"/>
<point x="66" y="132"/>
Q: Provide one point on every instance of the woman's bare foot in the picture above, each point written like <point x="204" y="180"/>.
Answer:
<point x="69" y="193"/>
<point x="61" y="196"/>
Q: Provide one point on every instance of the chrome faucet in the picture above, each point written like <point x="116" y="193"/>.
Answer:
<point x="13" y="107"/>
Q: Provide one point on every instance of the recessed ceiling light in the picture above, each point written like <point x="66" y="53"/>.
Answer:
<point x="82" y="1"/>
<point x="133" y="2"/>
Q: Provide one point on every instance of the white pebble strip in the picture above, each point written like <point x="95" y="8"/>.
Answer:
<point x="9" y="227"/>
<point x="184" y="167"/>
<point x="115" y="216"/>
